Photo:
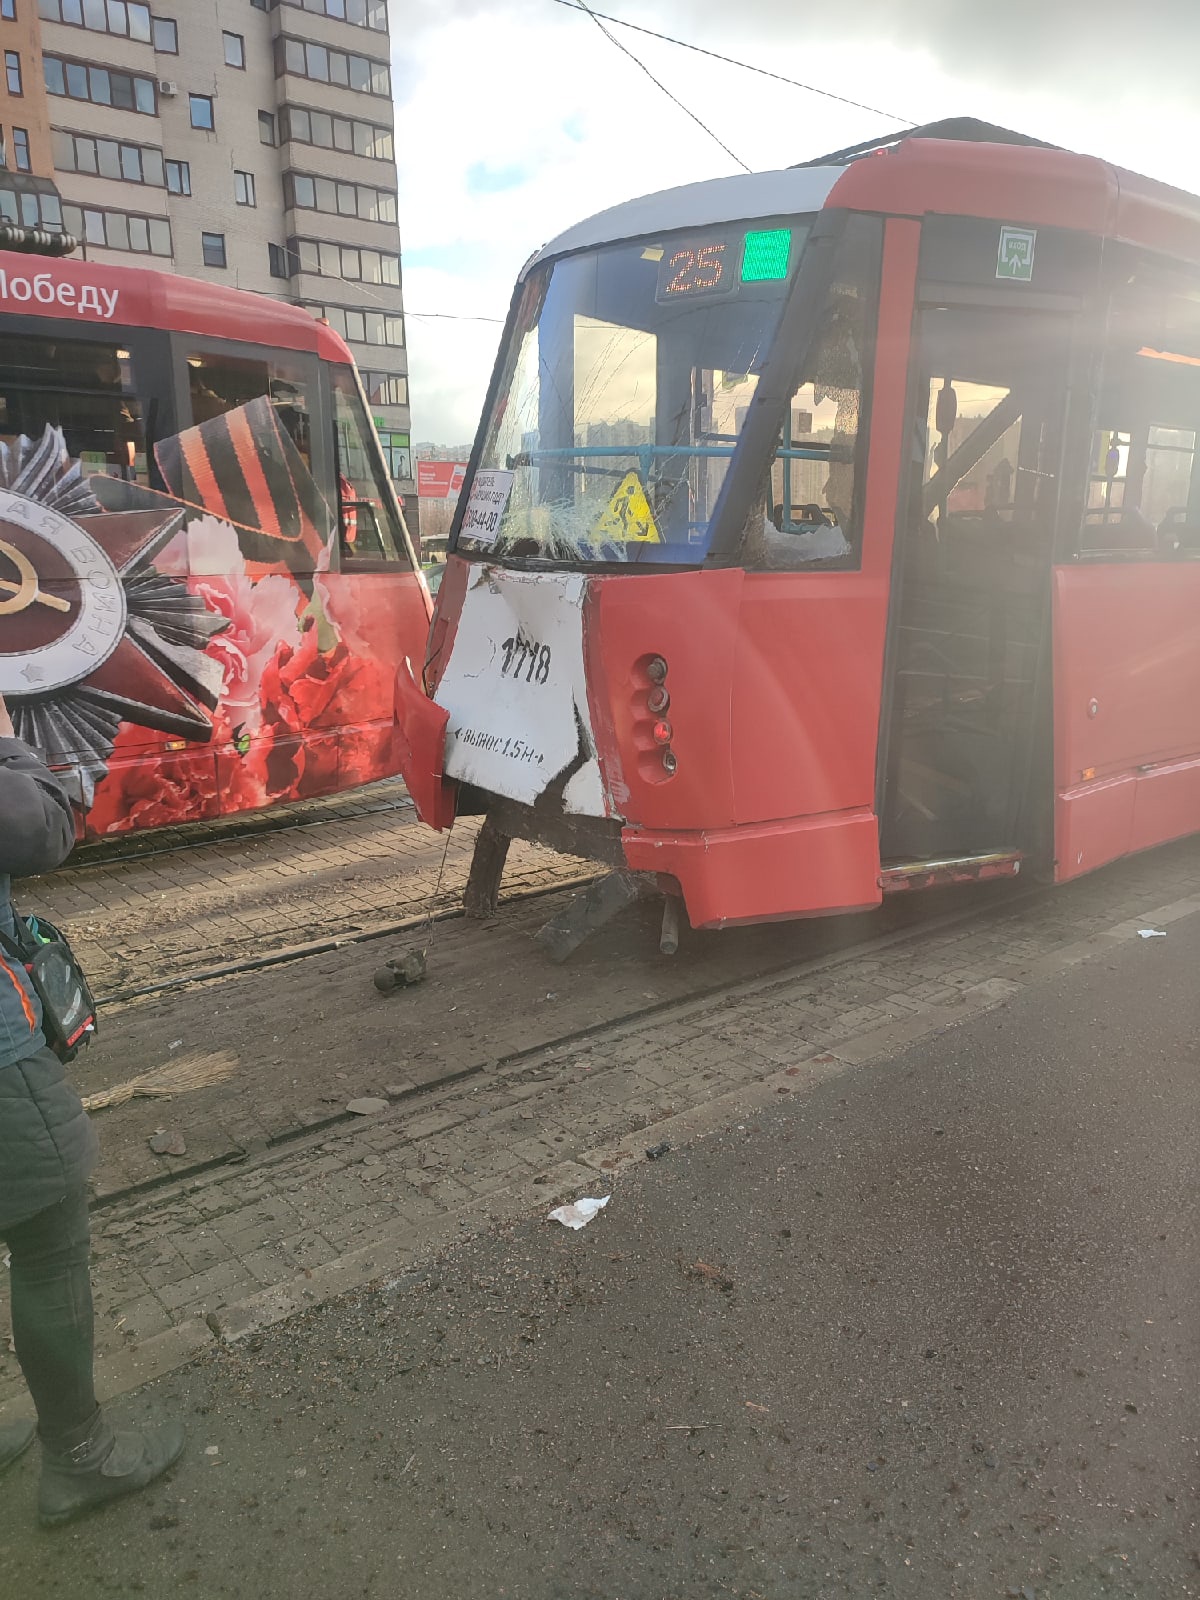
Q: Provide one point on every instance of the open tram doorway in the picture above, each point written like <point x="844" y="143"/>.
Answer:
<point x="967" y="701"/>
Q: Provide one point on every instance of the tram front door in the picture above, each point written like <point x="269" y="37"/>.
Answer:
<point x="969" y="681"/>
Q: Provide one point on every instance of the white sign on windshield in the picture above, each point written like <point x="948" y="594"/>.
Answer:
<point x="490" y="490"/>
<point x="515" y="689"/>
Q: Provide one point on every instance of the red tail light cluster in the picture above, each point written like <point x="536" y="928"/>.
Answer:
<point x="654" y="732"/>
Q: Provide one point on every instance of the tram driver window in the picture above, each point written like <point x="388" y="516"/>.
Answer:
<point x="367" y="523"/>
<point x="813" y="503"/>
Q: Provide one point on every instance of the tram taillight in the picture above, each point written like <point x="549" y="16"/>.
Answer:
<point x="652" y="732"/>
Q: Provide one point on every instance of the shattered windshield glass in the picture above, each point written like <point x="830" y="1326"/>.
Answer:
<point x="624" y="387"/>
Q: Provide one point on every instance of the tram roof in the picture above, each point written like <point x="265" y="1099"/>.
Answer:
<point x="955" y="167"/>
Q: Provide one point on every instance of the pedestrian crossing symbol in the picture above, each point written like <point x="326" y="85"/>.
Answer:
<point x="627" y="518"/>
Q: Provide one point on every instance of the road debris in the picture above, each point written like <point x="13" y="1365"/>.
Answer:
<point x="193" y="1071"/>
<point x="1151" y="933"/>
<point x="166" y="1143"/>
<point x="656" y="1151"/>
<point x="401" y="973"/>
<point x="579" y="1213"/>
<point x="366" y="1106"/>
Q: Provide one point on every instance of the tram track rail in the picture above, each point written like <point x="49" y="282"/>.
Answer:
<point x="282" y="1145"/>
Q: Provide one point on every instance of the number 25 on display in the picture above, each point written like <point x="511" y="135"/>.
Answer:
<point x="694" y="271"/>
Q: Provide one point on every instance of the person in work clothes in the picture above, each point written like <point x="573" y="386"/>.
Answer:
<point x="47" y="1150"/>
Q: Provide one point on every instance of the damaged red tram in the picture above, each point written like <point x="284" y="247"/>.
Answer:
<point x="832" y="532"/>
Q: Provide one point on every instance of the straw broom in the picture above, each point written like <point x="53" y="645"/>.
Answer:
<point x="189" y="1072"/>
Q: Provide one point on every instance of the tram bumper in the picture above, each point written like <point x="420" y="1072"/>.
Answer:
<point x="770" y="871"/>
<point x="421" y="743"/>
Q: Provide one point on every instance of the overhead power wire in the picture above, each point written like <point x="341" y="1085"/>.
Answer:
<point x="731" y="61"/>
<point x="638" y="62"/>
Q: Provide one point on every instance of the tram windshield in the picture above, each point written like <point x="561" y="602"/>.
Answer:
<point x="624" y="387"/>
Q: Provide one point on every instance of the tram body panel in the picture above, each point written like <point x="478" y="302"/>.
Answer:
<point x="1127" y="709"/>
<point x="689" y="620"/>
<point x="805" y="694"/>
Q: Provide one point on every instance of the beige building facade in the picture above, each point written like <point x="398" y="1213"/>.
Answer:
<point x="250" y="142"/>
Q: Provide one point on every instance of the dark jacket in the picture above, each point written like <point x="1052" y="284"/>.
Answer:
<point x="37" y="831"/>
<point x="47" y="1146"/>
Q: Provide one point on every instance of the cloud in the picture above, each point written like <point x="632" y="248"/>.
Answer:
<point x="518" y="118"/>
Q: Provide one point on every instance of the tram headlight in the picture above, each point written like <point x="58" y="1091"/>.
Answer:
<point x="656" y="669"/>
<point x="658" y="700"/>
<point x="662" y="732"/>
<point x="670" y="761"/>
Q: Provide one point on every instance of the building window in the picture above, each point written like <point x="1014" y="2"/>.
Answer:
<point x="305" y="59"/>
<point x="127" y="18"/>
<point x="202" y="112"/>
<point x="243" y="189"/>
<point x="8" y="10"/>
<point x="261" y="5"/>
<point x="179" y="177"/>
<point x="280" y="261"/>
<point x="301" y="125"/>
<point x="20" y="144"/>
<point x="362" y="13"/>
<point x="166" y="36"/>
<point x="235" y="50"/>
<point x="305" y="193"/>
<point x="347" y="261"/>
<point x="103" y="87"/>
<point x="363" y="327"/>
<point x="118" y="230"/>
<point x="32" y="210"/>
<point x="385" y="388"/>
<point x="12" y="72"/>
<point x="212" y="246"/>
<point x="108" y="158"/>
<point x="397" y="451"/>
<point x="266" y="127"/>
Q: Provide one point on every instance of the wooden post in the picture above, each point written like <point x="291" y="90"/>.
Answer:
<point x="482" y="894"/>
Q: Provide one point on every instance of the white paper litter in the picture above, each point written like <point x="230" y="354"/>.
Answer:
<point x="1151" y="933"/>
<point x="579" y="1214"/>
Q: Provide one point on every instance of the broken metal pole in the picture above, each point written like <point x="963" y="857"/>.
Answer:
<point x="592" y="909"/>
<point x="668" y="939"/>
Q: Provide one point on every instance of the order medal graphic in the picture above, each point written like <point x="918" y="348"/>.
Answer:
<point x="91" y="634"/>
<point x="62" y="607"/>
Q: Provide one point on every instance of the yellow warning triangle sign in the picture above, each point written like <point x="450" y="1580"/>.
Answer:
<point x="627" y="518"/>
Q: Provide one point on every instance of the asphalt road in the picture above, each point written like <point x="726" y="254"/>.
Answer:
<point x="930" y="1329"/>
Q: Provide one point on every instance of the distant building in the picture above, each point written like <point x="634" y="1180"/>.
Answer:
<point x="246" y="141"/>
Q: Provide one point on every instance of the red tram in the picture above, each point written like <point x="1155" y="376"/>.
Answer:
<point x="835" y="531"/>
<point x="206" y="583"/>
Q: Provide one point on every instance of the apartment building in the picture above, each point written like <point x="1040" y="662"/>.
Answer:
<point x="246" y="141"/>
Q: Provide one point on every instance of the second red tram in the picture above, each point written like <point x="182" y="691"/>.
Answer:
<point x="835" y="531"/>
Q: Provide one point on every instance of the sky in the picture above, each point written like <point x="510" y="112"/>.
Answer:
<point x="517" y="118"/>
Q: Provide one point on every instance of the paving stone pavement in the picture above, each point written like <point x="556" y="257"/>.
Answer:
<point x="226" y="894"/>
<point x="229" y="1253"/>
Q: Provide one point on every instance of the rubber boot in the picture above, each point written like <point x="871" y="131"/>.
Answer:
<point x="107" y="1465"/>
<point x="15" y="1439"/>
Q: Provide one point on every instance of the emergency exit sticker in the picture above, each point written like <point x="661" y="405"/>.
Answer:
<point x="1015" y="257"/>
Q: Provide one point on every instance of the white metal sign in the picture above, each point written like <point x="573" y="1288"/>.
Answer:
<point x="516" y="692"/>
